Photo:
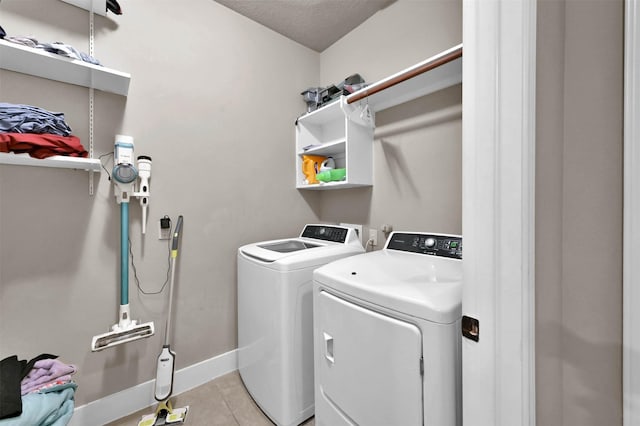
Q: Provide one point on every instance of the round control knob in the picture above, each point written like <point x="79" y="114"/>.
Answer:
<point x="430" y="243"/>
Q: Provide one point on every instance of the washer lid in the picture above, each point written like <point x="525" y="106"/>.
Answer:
<point x="317" y="245"/>
<point x="426" y="287"/>
<point x="272" y="251"/>
<point x="288" y="254"/>
<point x="287" y="246"/>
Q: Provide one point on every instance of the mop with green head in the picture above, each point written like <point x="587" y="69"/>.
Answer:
<point x="124" y="176"/>
<point x="165" y="414"/>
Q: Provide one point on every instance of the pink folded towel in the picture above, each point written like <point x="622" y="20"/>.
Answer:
<point x="46" y="371"/>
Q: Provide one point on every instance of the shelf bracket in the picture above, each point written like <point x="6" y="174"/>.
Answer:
<point x="91" y="96"/>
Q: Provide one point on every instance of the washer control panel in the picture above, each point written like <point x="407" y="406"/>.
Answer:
<point x="336" y="234"/>
<point x="423" y="243"/>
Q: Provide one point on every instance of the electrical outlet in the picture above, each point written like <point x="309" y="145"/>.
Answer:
<point x="373" y="236"/>
<point x="358" y="229"/>
<point x="164" y="228"/>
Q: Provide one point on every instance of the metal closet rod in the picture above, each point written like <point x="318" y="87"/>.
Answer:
<point x="451" y="56"/>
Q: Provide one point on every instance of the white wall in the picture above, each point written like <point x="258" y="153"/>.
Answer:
<point x="418" y="145"/>
<point x="579" y="212"/>
<point x="213" y="99"/>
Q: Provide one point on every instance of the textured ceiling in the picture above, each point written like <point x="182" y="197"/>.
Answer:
<point x="316" y="24"/>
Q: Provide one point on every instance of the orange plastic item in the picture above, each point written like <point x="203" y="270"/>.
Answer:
<point x="310" y="166"/>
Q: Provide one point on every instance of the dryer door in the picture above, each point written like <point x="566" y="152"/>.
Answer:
<point x="367" y="366"/>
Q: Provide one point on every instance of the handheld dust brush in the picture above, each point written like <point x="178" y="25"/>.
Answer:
<point x="124" y="175"/>
<point x="144" y="172"/>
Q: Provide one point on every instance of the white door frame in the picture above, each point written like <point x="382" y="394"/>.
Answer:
<point x="631" y="245"/>
<point x="498" y="154"/>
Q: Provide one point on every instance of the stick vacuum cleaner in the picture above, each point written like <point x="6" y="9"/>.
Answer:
<point x="124" y="176"/>
<point x="165" y="414"/>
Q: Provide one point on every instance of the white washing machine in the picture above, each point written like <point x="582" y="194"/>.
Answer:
<point x="275" y="317"/>
<point x="387" y="334"/>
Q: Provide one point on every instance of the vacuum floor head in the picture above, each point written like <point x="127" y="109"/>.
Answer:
<point x="165" y="415"/>
<point x="119" y="336"/>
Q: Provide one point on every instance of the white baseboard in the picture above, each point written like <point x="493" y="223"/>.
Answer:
<point x="130" y="400"/>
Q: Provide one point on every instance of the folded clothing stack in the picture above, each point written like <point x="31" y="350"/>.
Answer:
<point x="57" y="47"/>
<point x="46" y="374"/>
<point x="16" y="118"/>
<point x="38" y="392"/>
<point x="36" y="131"/>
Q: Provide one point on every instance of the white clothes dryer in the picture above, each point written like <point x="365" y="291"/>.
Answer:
<point x="387" y="334"/>
<point x="275" y="317"/>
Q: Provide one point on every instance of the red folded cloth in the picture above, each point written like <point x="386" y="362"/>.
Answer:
<point x="42" y="145"/>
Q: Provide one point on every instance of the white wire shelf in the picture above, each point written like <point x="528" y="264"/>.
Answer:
<point x="40" y="63"/>
<point x="58" y="161"/>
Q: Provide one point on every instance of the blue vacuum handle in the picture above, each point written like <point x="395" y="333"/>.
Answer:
<point x="124" y="253"/>
<point x="176" y="238"/>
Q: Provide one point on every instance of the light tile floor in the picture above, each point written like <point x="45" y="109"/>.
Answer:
<point x="221" y="402"/>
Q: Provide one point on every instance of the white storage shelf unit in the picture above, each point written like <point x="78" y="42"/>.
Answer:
<point x="39" y="63"/>
<point x="343" y="130"/>
<point x="336" y="131"/>
<point x="58" y="162"/>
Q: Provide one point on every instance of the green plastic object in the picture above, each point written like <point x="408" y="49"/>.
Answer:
<point x="332" y="175"/>
<point x="338" y="174"/>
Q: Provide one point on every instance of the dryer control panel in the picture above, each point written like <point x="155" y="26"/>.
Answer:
<point x="336" y="234"/>
<point x="431" y="244"/>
